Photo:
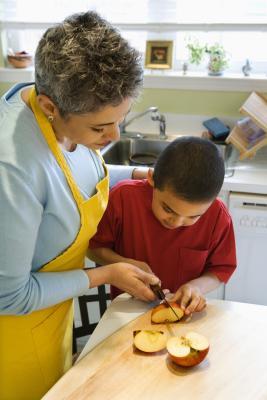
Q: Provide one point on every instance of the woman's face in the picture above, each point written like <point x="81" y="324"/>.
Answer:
<point x="94" y="130"/>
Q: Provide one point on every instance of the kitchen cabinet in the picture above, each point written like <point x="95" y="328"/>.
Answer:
<point x="245" y="194"/>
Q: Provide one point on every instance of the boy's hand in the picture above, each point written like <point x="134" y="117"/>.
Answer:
<point x="190" y="298"/>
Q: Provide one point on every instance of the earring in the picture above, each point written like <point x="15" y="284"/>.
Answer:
<point x="50" y="118"/>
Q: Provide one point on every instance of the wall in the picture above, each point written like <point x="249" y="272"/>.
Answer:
<point x="192" y="102"/>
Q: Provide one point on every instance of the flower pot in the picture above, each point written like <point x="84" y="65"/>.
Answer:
<point x="216" y="65"/>
<point x="215" y="73"/>
<point x="20" y="59"/>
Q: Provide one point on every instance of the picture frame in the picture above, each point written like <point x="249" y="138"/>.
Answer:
<point x="159" y="54"/>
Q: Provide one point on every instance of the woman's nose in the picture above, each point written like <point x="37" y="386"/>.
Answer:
<point x="114" y="132"/>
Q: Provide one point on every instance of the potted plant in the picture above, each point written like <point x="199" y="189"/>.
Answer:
<point x="217" y="59"/>
<point x="217" y="56"/>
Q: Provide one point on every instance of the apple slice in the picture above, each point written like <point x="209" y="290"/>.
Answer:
<point x="163" y="314"/>
<point x="149" y="341"/>
<point x="188" y="350"/>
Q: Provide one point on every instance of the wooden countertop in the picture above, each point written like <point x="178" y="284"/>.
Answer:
<point x="235" y="368"/>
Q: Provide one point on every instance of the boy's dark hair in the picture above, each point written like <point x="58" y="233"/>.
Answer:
<point x="192" y="168"/>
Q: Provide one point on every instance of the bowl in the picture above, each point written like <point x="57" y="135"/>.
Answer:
<point x="20" y="59"/>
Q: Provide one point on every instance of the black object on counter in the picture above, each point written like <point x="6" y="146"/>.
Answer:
<point x="217" y="128"/>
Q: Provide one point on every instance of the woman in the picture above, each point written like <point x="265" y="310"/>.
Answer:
<point x="53" y="192"/>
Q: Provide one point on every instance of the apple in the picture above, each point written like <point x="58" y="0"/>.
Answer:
<point x="150" y="341"/>
<point x="188" y="350"/>
<point x="163" y="314"/>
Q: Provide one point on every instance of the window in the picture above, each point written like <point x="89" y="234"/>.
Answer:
<point x="141" y="11"/>
<point x="239" y="25"/>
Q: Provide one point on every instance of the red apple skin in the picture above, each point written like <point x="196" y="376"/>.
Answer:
<point x="162" y="306"/>
<point x="192" y="359"/>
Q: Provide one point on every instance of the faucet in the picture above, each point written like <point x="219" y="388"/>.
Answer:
<point x="156" y="116"/>
<point x="162" y="124"/>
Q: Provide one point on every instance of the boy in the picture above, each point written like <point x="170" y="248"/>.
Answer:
<point x="172" y="223"/>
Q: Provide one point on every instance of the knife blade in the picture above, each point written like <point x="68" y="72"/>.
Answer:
<point x="161" y="296"/>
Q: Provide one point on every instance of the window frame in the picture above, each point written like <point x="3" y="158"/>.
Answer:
<point x="195" y="80"/>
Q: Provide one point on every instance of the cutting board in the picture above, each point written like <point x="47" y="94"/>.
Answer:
<point x="235" y="368"/>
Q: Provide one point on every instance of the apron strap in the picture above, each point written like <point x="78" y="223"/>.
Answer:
<point x="50" y="137"/>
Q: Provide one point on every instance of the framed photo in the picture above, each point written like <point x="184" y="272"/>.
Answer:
<point x="159" y="54"/>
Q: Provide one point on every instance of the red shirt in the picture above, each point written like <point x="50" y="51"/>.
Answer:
<point x="176" y="256"/>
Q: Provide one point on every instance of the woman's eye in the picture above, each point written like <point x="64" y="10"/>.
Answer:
<point x="99" y="130"/>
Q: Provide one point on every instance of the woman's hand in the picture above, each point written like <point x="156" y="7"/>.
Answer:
<point x="126" y="277"/>
<point x="141" y="173"/>
<point x="190" y="298"/>
<point x="140" y="264"/>
<point x="133" y="280"/>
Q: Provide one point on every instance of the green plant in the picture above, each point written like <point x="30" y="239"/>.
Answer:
<point x="217" y="56"/>
<point x="196" y="52"/>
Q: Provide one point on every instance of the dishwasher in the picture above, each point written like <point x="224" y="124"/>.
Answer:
<point x="249" y="282"/>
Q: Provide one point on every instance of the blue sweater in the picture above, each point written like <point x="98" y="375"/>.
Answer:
<point x="38" y="215"/>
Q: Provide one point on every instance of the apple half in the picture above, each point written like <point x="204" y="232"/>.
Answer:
<point x="188" y="350"/>
<point x="163" y="314"/>
<point x="149" y="341"/>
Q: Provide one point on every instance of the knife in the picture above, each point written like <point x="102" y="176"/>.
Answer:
<point x="161" y="296"/>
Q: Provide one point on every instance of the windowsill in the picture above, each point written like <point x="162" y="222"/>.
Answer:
<point x="16" y="75"/>
<point x="202" y="81"/>
<point x="158" y="79"/>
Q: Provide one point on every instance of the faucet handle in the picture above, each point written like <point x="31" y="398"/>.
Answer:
<point x="162" y="124"/>
<point x="158" y="117"/>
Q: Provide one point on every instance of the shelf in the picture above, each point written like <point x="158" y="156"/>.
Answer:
<point x="202" y="81"/>
<point x="16" y="75"/>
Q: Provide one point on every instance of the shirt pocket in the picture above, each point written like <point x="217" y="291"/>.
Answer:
<point x="192" y="263"/>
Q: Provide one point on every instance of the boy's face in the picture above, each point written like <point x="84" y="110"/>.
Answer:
<point x="173" y="212"/>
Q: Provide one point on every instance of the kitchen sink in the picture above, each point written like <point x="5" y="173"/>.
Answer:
<point x="129" y="151"/>
<point x="145" y="151"/>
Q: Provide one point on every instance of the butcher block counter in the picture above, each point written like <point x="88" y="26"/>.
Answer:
<point x="109" y="368"/>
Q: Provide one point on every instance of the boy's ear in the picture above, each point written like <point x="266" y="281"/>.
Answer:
<point x="150" y="179"/>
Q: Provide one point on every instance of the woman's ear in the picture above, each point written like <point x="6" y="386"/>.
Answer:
<point x="47" y="106"/>
<point x="150" y="179"/>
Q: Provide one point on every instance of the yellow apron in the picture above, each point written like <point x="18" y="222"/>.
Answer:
<point x="36" y="349"/>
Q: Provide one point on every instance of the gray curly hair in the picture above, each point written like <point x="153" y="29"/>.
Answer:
<point x="83" y="65"/>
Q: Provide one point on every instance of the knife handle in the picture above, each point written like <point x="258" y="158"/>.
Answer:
<point x="158" y="291"/>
